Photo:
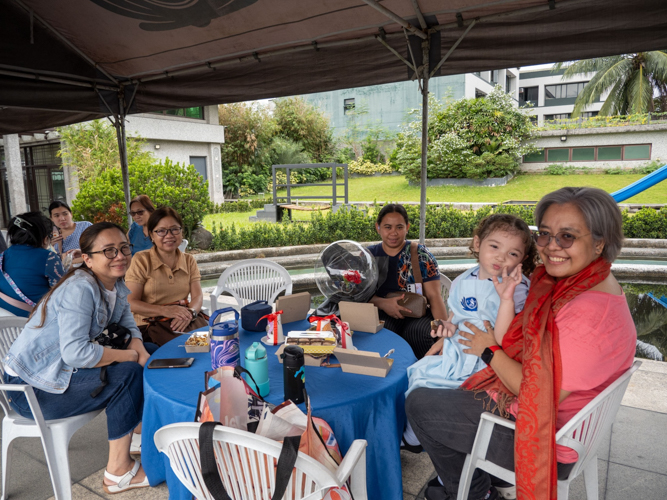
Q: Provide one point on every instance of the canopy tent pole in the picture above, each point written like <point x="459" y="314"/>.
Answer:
<point x="424" y="86"/>
<point x="118" y="123"/>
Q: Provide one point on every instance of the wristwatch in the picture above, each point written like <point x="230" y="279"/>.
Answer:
<point x="194" y="313"/>
<point x="488" y="353"/>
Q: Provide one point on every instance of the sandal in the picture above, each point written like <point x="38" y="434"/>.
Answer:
<point x="135" y="446"/>
<point x="123" y="482"/>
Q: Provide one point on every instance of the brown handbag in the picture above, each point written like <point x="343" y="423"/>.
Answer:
<point x="415" y="302"/>
<point x="158" y="330"/>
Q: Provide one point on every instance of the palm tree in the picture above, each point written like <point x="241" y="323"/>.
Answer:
<point x="630" y="79"/>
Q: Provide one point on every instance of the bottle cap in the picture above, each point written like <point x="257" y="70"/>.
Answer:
<point x="255" y="352"/>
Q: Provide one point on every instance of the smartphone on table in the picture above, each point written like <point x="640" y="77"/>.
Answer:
<point x="171" y="363"/>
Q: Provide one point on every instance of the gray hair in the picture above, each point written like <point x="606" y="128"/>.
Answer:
<point x="600" y="212"/>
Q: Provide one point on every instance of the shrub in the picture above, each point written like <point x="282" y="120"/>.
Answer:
<point x="304" y="124"/>
<point x="646" y="223"/>
<point x="474" y="138"/>
<point x="365" y="167"/>
<point x="240" y="206"/>
<point x="560" y="169"/>
<point x="172" y="184"/>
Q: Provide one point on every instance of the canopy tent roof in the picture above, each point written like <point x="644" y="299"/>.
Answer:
<point x="58" y="58"/>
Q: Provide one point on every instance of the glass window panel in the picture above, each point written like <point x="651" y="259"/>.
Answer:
<point x="532" y="94"/>
<point x="558" y="155"/>
<point x="197" y="112"/>
<point x="609" y="153"/>
<point x="572" y="90"/>
<point x="637" y="152"/>
<point x="534" y="157"/>
<point x="583" y="154"/>
<point x="549" y="91"/>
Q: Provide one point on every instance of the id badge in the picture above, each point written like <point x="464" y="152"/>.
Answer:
<point x="416" y="288"/>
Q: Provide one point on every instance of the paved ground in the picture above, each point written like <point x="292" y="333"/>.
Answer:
<point x="632" y="462"/>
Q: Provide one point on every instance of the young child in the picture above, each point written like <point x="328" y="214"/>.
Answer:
<point x="494" y="291"/>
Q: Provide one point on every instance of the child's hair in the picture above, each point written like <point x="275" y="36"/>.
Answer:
<point x="511" y="224"/>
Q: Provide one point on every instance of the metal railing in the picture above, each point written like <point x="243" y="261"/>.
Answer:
<point x="334" y="196"/>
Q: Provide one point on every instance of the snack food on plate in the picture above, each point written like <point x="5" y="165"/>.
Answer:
<point x="200" y="340"/>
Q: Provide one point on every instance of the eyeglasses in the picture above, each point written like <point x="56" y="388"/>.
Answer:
<point x="163" y="232"/>
<point x="138" y="212"/>
<point x="112" y="252"/>
<point x="563" y="239"/>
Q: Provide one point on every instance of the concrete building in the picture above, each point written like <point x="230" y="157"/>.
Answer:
<point x="388" y="105"/>
<point x="191" y="136"/>
<point x="551" y="96"/>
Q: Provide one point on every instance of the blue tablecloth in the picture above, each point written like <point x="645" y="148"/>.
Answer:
<point x="356" y="406"/>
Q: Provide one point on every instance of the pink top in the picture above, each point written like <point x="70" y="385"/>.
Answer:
<point x="597" y="344"/>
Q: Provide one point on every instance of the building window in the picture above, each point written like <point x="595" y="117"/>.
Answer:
<point x="479" y="93"/>
<point x="529" y="95"/>
<point x="348" y="106"/>
<point x="533" y="119"/>
<point x="591" y="153"/>
<point x="556" y="118"/>
<point x="196" y="112"/>
<point x="564" y="90"/>
<point x="199" y="162"/>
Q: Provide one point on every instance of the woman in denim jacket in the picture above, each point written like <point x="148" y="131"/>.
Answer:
<point x="55" y="352"/>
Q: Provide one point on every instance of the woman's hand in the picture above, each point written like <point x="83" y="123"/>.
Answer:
<point x="391" y="306"/>
<point x="436" y="349"/>
<point x="478" y="341"/>
<point x="506" y="289"/>
<point x="137" y="345"/>
<point x="179" y="325"/>
<point x="177" y="313"/>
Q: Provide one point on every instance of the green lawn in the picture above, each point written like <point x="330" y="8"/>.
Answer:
<point x="523" y="187"/>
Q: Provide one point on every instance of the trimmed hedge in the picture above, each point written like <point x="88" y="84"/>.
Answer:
<point x="441" y="222"/>
<point x="240" y="206"/>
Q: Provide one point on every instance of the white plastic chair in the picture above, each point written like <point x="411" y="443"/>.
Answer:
<point x="242" y="463"/>
<point x="5" y="313"/>
<point x="183" y="246"/>
<point x="55" y="434"/>
<point x="583" y="433"/>
<point x="251" y="280"/>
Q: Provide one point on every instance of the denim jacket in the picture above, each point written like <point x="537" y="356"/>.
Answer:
<point x="76" y="313"/>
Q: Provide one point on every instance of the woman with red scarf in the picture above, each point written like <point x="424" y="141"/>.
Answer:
<point x="574" y="337"/>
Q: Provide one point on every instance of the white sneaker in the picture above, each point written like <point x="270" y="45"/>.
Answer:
<point x="135" y="446"/>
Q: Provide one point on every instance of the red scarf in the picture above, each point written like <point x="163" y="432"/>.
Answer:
<point x="532" y="340"/>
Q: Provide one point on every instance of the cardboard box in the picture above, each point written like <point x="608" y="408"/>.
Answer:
<point x="295" y="307"/>
<point x="308" y="360"/>
<point x="363" y="362"/>
<point x="362" y="317"/>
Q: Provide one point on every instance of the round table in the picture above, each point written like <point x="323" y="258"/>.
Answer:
<point x="355" y="406"/>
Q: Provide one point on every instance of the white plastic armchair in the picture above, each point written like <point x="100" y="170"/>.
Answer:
<point x="583" y="433"/>
<point x="251" y="280"/>
<point x="246" y="463"/>
<point x="55" y="434"/>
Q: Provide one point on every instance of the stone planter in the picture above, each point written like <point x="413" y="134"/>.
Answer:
<point x="490" y="182"/>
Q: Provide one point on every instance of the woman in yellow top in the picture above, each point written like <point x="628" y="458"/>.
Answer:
<point x="162" y="279"/>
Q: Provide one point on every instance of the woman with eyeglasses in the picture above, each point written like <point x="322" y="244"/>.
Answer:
<point x="60" y="352"/>
<point x="574" y="337"/>
<point x="29" y="269"/>
<point x="165" y="283"/>
<point x="141" y="207"/>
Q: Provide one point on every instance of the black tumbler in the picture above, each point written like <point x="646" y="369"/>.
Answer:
<point x="294" y="374"/>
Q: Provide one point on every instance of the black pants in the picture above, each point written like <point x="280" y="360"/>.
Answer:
<point x="446" y="421"/>
<point x="415" y="331"/>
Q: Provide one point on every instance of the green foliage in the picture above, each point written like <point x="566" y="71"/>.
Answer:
<point x="630" y="80"/>
<point x="601" y="121"/>
<point x="168" y="183"/>
<point x="645" y="169"/>
<point x="93" y="148"/>
<point x="468" y="138"/>
<point x="305" y="124"/>
<point x="365" y="167"/>
<point x="239" y="206"/>
<point x="560" y="169"/>
<point x="246" y="153"/>
<point x="362" y="138"/>
<point x="646" y="223"/>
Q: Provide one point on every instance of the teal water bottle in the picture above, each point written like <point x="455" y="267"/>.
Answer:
<point x="257" y="363"/>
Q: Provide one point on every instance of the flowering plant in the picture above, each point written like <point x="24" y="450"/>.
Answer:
<point x="352" y="277"/>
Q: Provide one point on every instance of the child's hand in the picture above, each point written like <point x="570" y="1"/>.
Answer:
<point x="506" y="289"/>
<point x="442" y="328"/>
